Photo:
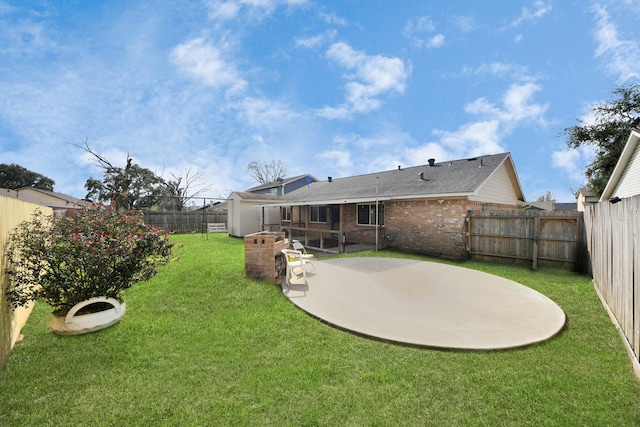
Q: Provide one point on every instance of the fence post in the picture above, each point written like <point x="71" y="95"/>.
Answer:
<point x="536" y="231"/>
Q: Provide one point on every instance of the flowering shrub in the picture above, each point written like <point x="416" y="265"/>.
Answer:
<point x="92" y="252"/>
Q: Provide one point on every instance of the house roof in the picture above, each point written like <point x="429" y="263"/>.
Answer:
<point x="627" y="158"/>
<point x="457" y="178"/>
<point x="276" y="184"/>
<point x="60" y="196"/>
<point x="32" y="195"/>
<point x="585" y="191"/>
<point x="255" y="197"/>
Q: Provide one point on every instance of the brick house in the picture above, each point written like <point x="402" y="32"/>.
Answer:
<point x="419" y="209"/>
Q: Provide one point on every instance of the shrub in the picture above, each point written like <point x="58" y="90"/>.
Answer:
<point x="94" y="251"/>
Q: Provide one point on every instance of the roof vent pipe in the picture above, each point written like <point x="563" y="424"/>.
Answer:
<point x="330" y="179"/>
<point x="422" y="176"/>
<point x="432" y="162"/>
<point x="399" y="167"/>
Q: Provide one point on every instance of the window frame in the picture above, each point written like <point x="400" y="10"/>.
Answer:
<point x="321" y="214"/>
<point x="286" y="214"/>
<point x="371" y="209"/>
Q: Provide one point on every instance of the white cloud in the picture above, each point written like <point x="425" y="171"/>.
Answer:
<point x="540" y="9"/>
<point x="256" y="9"/>
<point x="495" y="122"/>
<point x="500" y="69"/>
<point x="417" y="30"/>
<point x="333" y="19"/>
<point x="473" y="139"/>
<point x="517" y="106"/>
<point x="369" y="77"/>
<point x="264" y="113"/>
<point x="464" y="23"/>
<point x="205" y="63"/>
<point x="622" y="57"/>
<point x="436" y="41"/>
<point x="341" y="159"/>
<point x="420" y="25"/>
<point x="317" y="40"/>
<point x="573" y="161"/>
<point x="432" y="150"/>
<point x="25" y="37"/>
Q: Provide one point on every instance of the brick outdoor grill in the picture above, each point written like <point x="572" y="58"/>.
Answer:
<point x="263" y="258"/>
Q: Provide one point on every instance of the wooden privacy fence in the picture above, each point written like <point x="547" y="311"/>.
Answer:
<point x="528" y="237"/>
<point x="613" y="240"/>
<point x="12" y="213"/>
<point x="184" y="222"/>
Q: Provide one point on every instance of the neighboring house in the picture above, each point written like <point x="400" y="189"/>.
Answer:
<point x="584" y="197"/>
<point x="60" y="203"/>
<point x="284" y="185"/>
<point x="244" y="214"/>
<point x="421" y="209"/>
<point x="550" y="206"/>
<point x="625" y="179"/>
<point x="565" y="207"/>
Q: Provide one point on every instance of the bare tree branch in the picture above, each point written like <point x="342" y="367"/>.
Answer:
<point x="265" y="173"/>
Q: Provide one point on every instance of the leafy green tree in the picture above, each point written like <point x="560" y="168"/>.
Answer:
<point x="612" y="123"/>
<point x="15" y="176"/>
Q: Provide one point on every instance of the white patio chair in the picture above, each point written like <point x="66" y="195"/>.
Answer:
<point x="297" y="246"/>
<point x="296" y="274"/>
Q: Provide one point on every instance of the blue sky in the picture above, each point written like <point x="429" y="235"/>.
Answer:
<point x="330" y="88"/>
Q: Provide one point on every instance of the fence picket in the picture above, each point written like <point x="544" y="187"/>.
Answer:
<point x="614" y="246"/>
<point x="540" y="238"/>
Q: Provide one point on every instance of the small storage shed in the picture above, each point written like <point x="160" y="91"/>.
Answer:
<point x="244" y="217"/>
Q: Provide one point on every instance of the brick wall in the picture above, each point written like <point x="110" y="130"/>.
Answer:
<point x="263" y="258"/>
<point x="431" y="228"/>
<point x="418" y="226"/>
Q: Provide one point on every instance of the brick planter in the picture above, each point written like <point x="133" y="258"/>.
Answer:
<point x="263" y="258"/>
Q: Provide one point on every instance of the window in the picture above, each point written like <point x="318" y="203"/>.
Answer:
<point x="318" y="213"/>
<point x="286" y="213"/>
<point x="367" y="214"/>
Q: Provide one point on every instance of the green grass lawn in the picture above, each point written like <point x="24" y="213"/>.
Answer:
<point x="202" y="345"/>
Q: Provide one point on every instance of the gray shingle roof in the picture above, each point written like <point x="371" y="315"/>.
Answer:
<point x="247" y="195"/>
<point x="276" y="184"/>
<point x="450" y="178"/>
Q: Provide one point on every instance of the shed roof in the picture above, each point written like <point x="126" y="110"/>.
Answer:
<point x="457" y="178"/>
<point x="255" y="197"/>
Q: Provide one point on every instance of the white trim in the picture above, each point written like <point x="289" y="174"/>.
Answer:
<point x="618" y="171"/>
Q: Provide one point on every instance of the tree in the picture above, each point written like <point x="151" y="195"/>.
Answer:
<point x="15" y="176"/>
<point x="126" y="188"/>
<point x="546" y="197"/>
<point x="608" y="134"/>
<point x="267" y="172"/>
<point x="182" y="188"/>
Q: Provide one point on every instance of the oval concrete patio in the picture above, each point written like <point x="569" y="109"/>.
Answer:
<point x="426" y="304"/>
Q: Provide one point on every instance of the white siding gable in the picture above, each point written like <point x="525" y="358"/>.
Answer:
<point x="629" y="183"/>
<point x="499" y="188"/>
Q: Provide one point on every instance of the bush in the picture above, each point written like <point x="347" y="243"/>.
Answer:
<point x="94" y="251"/>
